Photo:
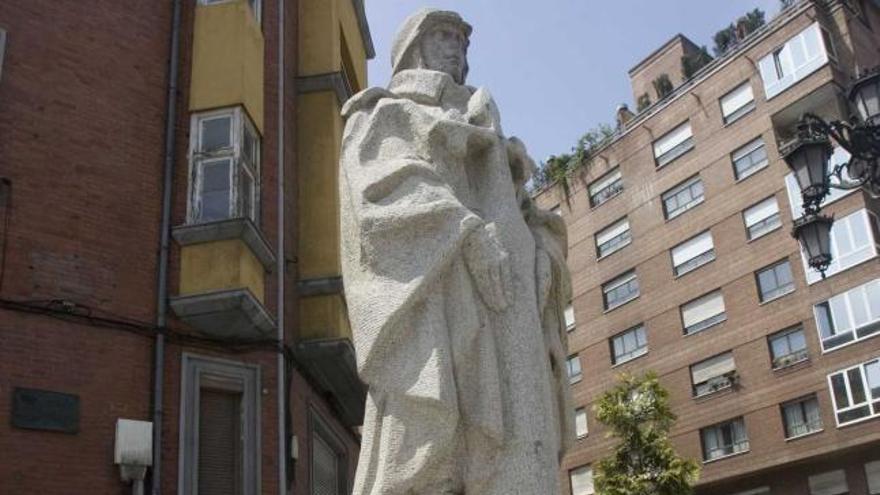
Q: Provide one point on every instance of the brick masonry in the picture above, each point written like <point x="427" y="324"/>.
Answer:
<point x="784" y="464"/>
<point x="82" y="109"/>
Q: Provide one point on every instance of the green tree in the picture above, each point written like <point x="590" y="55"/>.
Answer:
<point x="644" y="462"/>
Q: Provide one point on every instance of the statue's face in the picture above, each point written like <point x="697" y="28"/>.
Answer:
<point x="444" y="49"/>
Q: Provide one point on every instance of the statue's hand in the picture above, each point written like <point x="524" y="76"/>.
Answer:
<point x="489" y="265"/>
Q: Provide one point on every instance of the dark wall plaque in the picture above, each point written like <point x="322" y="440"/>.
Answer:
<point x="44" y="410"/>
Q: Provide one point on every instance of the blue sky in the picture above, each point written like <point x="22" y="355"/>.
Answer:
<point x="558" y="68"/>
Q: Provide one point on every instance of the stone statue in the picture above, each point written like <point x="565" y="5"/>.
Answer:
<point x="455" y="283"/>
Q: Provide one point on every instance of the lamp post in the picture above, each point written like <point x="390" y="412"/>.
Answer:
<point x="808" y="156"/>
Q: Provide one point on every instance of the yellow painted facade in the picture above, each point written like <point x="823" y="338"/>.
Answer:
<point x="324" y="317"/>
<point x="227" y="59"/>
<point x="324" y="24"/>
<point x="330" y="42"/>
<point x="219" y="265"/>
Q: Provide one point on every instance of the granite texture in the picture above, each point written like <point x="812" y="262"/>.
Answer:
<point x="455" y="282"/>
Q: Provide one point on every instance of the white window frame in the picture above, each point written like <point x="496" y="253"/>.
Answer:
<point x="638" y="352"/>
<point x="782" y="290"/>
<point x="745" y="106"/>
<point x="778" y="68"/>
<point x="840" y="262"/>
<point x="581" y="413"/>
<point x="705" y="323"/>
<point x="574" y="376"/>
<point x="612" y="182"/>
<point x="870" y="401"/>
<point x="220" y="373"/>
<point x="675" y="191"/>
<point x="617" y="242"/>
<point x="769" y="223"/>
<point x="673" y="144"/>
<point x="745" y="151"/>
<point x="255" y="6"/>
<point x="239" y="124"/>
<point x="617" y="282"/>
<point x="697" y="260"/>
<point x="589" y="485"/>
<point x="568" y="314"/>
<point x="845" y="298"/>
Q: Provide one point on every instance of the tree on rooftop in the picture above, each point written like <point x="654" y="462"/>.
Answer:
<point x="693" y="62"/>
<point x="662" y="85"/>
<point x="729" y="37"/>
<point x="644" y="462"/>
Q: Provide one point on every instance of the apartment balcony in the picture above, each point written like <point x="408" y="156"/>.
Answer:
<point x="222" y="277"/>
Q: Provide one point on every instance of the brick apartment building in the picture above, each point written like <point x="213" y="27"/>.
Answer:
<point x="151" y="251"/>
<point x="683" y="263"/>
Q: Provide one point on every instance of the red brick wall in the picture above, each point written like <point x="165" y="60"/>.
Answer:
<point x="82" y="109"/>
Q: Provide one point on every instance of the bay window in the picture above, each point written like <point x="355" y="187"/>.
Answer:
<point x="799" y="57"/>
<point x="224" y="167"/>
<point x="855" y="392"/>
<point x="852" y="243"/>
<point x="850" y="316"/>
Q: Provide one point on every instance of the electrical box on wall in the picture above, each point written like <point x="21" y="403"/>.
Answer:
<point x="134" y="442"/>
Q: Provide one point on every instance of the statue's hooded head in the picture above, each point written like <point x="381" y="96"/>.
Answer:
<point x="432" y="39"/>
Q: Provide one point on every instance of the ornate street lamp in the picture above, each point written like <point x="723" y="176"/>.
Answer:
<point x="813" y="231"/>
<point x="808" y="155"/>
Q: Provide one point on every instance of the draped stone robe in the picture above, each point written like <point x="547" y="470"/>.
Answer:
<point x="461" y="398"/>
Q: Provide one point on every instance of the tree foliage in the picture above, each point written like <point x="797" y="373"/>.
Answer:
<point x="662" y="85"/>
<point x="558" y="167"/>
<point x="693" y="62"/>
<point x="637" y="412"/>
<point x="729" y="37"/>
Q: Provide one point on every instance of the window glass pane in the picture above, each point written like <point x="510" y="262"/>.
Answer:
<point x="797" y="341"/>
<point x="840" y="313"/>
<point x="780" y="347"/>
<point x="216" y="133"/>
<point x="873" y="292"/>
<point x="580" y="422"/>
<point x="247" y="194"/>
<point x="872" y="373"/>
<point x="824" y="321"/>
<point x="325" y="468"/>
<point x="215" y="189"/>
<point x="838" y="386"/>
<point x="856" y="387"/>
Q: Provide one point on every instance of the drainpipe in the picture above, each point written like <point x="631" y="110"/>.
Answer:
<point x="164" y="233"/>
<point x="280" y="266"/>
